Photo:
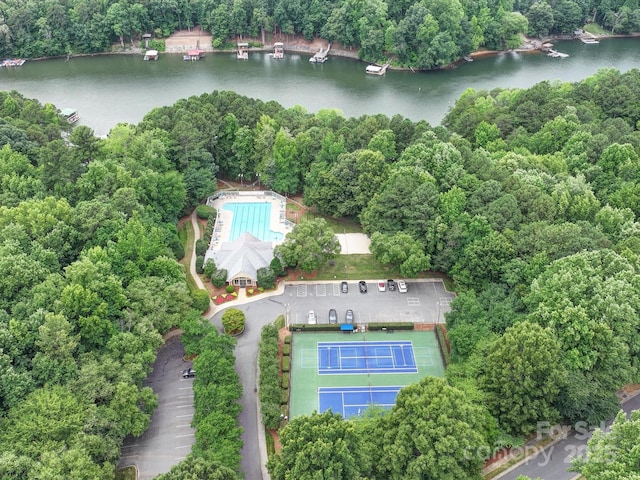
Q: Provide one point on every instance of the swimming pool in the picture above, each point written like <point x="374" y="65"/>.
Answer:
<point x="252" y="217"/>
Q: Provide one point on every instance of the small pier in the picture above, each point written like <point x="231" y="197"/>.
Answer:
<point x="377" y="69"/>
<point x="243" y="51"/>
<point x="193" y="55"/>
<point x="321" y="56"/>
<point x="151" y="55"/>
<point x="548" y="49"/>
<point x="589" y="40"/>
<point x="278" y="50"/>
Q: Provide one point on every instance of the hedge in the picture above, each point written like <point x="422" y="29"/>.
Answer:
<point x="287" y="340"/>
<point x="286" y="364"/>
<point x="443" y="343"/>
<point x="285" y="380"/>
<point x="269" y="377"/>
<point x="205" y="211"/>
<point x="314" y="328"/>
<point x="391" y="326"/>
<point x="284" y="396"/>
<point x="286" y="348"/>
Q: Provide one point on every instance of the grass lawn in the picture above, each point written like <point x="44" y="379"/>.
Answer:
<point x="338" y="225"/>
<point x="595" y="29"/>
<point x="186" y="236"/>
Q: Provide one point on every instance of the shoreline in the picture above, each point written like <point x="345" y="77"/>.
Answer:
<point x="530" y="45"/>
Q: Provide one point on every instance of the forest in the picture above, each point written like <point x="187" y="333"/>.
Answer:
<point x="527" y="199"/>
<point x="424" y="34"/>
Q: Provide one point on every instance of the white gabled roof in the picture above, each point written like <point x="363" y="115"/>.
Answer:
<point x="243" y="257"/>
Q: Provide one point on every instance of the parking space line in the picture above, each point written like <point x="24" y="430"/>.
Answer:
<point x="187" y="396"/>
<point x="185" y="406"/>
<point x="321" y="290"/>
<point x="183" y="446"/>
<point x="187" y="435"/>
<point x="182" y="426"/>
<point x="301" y="290"/>
<point x="183" y="416"/>
<point x="186" y="388"/>
<point x="413" y="301"/>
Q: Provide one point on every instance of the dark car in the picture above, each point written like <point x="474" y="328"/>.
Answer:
<point x="333" y="316"/>
<point x="348" y="316"/>
<point x="362" y="285"/>
<point x="391" y="285"/>
<point x="188" y="373"/>
<point x="344" y="287"/>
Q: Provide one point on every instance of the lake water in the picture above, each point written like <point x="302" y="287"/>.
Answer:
<point x="110" y="89"/>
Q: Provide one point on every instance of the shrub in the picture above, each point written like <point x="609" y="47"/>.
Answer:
<point x="285" y="380"/>
<point x="199" y="263"/>
<point x="201" y="247"/>
<point x="286" y="364"/>
<point x="284" y="396"/>
<point x="286" y="348"/>
<point x="155" y="44"/>
<point x="269" y="387"/>
<point x="233" y="320"/>
<point x="200" y="300"/>
<point x="209" y="267"/>
<point x="266" y="277"/>
<point x="230" y="289"/>
<point x="287" y="340"/>
<point x="219" y="278"/>
<point x="176" y="247"/>
<point x="443" y="343"/>
<point x="204" y="212"/>
<point x="276" y="266"/>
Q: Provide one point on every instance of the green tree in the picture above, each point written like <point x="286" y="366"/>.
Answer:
<point x="612" y="454"/>
<point x="402" y="251"/>
<point x="309" y="245"/>
<point x="233" y="320"/>
<point x="433" y="431"/>
<point x="318" y="446"/>
<point x="198" y="468"/>
<point x="522" y="376"/>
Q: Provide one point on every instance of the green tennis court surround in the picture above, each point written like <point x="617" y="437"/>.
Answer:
<point x="411" y="356"/>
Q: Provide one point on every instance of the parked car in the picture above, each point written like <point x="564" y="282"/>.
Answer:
<point x="311" y="318"/>
<point x="333" y="316"/>
<point x="362" y="285"/>
<point x="391" y="285"/>
<point x="382" y="286"/>
<point x="344" y="287"/>
<point x="188" y="373"/>
<point x="402" y="287"/>
<point x="348" y="316"/>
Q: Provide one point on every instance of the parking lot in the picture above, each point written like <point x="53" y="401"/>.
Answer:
<point x="426" y="301"/>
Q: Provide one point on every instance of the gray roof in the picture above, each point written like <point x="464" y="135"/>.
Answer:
<point x="243" y="257"/>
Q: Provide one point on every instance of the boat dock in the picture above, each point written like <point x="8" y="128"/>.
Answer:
<point x="589" y="40"/>
<point x="321" y="56"/>
<point x="243" y="51"/>
<point x="556" y="54"/>
<point x="70" y="115"/>
<point x="151" y="55"/>
<point x="377" y="69"/>
<point x="12" y="62"/>
<point x="278" y="50"/>
<point x="193" y="55"/>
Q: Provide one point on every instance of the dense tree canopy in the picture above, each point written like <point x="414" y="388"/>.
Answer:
<point x="416" y="33"/>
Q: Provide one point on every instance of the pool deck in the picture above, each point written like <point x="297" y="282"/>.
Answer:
<point x="222" y="227"/>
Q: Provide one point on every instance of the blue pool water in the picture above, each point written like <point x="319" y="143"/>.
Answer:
<point x="253" y="217"/>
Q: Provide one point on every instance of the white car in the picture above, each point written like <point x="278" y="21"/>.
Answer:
<point x="311" y="318"/>
<point x="382" y="286"/>
<point x="402" y="287"/>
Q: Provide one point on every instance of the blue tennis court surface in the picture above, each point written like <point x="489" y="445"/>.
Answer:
<point x="252" y="217"/>
<point x="366" y="357"/>
<point x="352" y="401"/>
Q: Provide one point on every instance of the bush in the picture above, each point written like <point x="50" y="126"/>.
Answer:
<point x="286" y="348"/>
<point x="443" y="343"/>
<point x="201" y="247"/>
<point x="266" y="277"/>
<point x="269" y="387"/>
<point x="230" y="289"/>
<point x="285" y="380"/>
<point x="199" y="263"/>
<point x="219" y="278"/>
<point x="287" y="340"/>
<point x="204" y="212"/>
<point x="209" y="267"/>
<point x="176" y="247"/>
<point x="391" y="326"/>
<point x="276" y="266"/>
<point x="200" y="300"/>
<point x="233" y="320"/>
<point x="155" y="44"/>
<point x="286" y="364"/>
<point x="284" y="396"/>
<point x="301" y="327"/>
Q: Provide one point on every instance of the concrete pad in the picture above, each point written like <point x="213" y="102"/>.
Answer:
<point x="352" y="243"/>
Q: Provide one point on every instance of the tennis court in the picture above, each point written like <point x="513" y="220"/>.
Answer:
<point x="348" y="372"/>
<point x="365" y="357"/>
<point x="352" y="401"/>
